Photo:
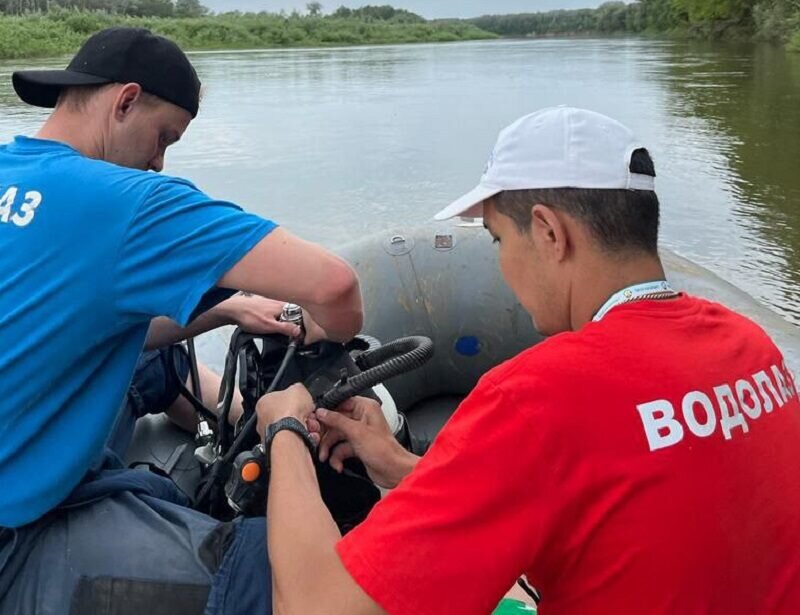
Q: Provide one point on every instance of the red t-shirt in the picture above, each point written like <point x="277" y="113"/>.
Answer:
<point x="649" y="463"/>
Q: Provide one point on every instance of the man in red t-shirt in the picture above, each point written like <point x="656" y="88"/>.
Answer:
<point x="643" y="459"/>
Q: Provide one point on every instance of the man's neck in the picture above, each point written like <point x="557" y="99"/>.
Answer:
<point x="608" y="276"/>
<point x="73" y="130"/>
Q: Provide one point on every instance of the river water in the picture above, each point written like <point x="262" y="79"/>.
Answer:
<point x="338" y="143"/>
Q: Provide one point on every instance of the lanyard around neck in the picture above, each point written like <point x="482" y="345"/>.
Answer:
<point x="634" y="293"/>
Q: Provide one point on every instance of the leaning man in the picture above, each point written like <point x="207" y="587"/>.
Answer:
<point x="94" y="247"/>
<point x="643" y="459"/>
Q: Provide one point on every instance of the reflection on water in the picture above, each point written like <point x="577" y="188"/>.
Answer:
<point x="337" y="143"/>
<point x="743" y="104"/>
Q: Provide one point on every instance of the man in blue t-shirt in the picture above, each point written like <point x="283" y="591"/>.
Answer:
<point x="95" y="247"/>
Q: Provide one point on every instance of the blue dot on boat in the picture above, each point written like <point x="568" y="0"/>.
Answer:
<point x="468" y="345"/>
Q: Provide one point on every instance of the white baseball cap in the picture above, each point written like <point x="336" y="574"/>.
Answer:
<point x="559" y="147"/>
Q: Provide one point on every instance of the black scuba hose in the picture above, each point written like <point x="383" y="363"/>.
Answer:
<point x="227" y="390"/>
<point x="193" y="399"/>
<point x="249" y="426"/>
<point x="386" y="362"/>
<point x="193" y="371"/>
<point x="240" y="440"/>
<point x="378" y="364"/>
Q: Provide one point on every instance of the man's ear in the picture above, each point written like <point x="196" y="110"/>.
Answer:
<point x="549" y="232"/>
<point x="127" y="97"/>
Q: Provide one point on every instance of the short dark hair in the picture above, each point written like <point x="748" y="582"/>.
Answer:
<point x="77" y="97"/>
<point x="620" y="220"/>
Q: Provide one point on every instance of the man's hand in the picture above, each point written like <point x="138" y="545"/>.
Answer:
<point x="359" y="429"/>
<point x="294" y="402"/>
<point x="252" y="313"/>
<point x="256" y="314"/>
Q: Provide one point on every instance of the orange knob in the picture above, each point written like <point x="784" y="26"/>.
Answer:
<point x="251" y="471"/>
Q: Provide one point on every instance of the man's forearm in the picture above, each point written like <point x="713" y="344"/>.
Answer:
<point x="301" y="533"/>
<point x="164" y="331"/>
<point x="287" y="268"/>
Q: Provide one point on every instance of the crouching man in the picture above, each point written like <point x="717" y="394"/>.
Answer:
<point x="641" y="459"/>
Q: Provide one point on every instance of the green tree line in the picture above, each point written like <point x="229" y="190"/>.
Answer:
<point x="61" y="30"/>
<point x="776" y="20"/>
<point x="194" y="8"/>
<point x="381" y="13"/>
<point x="137" y="8"/>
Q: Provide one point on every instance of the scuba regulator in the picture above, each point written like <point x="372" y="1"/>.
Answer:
<point x="237" y="476"/>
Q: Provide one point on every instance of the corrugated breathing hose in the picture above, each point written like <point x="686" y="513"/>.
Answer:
<point x="378" y="365"/>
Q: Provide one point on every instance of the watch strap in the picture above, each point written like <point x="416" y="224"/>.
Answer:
<point x="292" y="424"/>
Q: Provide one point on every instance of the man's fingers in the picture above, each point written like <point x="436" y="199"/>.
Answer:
<point x="284" y="328"/>
<point x="359" y="407"/>
<point x="264" y="323"/>
<point x="336" y="420"/>
<point x="347" y="405"/>
<point x="329" y="440"/>
<point x="313" y="425"/>
<point x="340" y="454"/>
<point x="340" y="428"/>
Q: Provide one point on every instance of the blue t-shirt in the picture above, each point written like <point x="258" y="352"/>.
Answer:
<point x="90" y="253"/>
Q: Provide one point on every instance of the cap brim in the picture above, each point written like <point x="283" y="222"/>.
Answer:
<point x="470" y="205"/>
<point x="41" y="88"/>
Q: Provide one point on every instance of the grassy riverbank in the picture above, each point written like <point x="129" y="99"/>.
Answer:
<point x="61" y="32"/>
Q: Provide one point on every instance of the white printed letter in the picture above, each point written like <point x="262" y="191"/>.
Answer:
<point x="753" y="408"/>
<point x="709" y="424"/>
<point x="657" y="417"/>
<point x="762" y="380"/>
<point x="790" y="381"/>
<point x="782" y="388"/>
<point x="729" y="414"/>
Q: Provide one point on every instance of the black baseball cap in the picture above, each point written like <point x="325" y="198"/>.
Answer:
<point x="118" y="55"/>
